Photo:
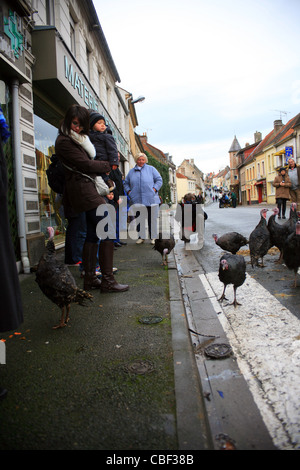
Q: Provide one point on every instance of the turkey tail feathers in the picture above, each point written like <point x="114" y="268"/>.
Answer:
<point x="82" y="295"/>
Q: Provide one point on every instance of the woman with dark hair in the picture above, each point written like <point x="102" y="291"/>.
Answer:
<point x="76" y="152"/>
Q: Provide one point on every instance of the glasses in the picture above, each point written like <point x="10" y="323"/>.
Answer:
<point x="77" y="124"/>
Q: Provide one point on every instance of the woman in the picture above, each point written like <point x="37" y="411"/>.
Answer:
<point x="282" y="184"/>
<point x="294" y="174"/>
<point x="142" y="185"/>
<point x="75" y="150"/>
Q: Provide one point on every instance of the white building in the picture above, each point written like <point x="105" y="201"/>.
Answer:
<point x="58" y="56"/>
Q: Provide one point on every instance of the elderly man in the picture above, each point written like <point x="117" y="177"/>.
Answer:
<point x="294" y="174"/>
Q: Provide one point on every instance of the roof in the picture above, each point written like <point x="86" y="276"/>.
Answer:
<point x="180" y="176"/>
<point x="274" y="138"/>
<point x="187" y="160"/>
<point x="155" y="152"/>
<point x="90" y="9"/>
<point x="235" y="146"/>
<point x="287" y="130"/>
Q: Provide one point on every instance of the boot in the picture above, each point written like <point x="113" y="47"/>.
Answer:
<point x="109" y="284"/>
<point x="89" y="261"/>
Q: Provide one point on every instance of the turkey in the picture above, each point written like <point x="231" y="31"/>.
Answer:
<point x="260" y="240"/>
<point x="57" y="283"/>
<point x="279" y="232"/>
<point x="232" y="270"/>
<point x="164" y="246"/>
<point x="231" y="241"/>
<point x="291" y="251"/>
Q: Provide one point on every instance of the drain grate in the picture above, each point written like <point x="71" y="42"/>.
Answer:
<point x="150" y="320"/>
<point x="139" y="367"/>
<point x="218" y="350"/>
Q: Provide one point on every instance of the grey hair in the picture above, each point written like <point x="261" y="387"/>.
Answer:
<point x="141" y="155"/>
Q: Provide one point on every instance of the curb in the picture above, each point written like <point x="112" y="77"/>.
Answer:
<point x="212" y="390"/>
<point x="192" y="425"/>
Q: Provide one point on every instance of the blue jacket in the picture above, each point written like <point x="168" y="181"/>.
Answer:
<point x="139" y="183"/>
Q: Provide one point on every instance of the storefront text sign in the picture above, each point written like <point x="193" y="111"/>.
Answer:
<point x="78" y="84"/>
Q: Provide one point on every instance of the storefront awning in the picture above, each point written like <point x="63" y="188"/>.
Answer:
<point x="58" y="78"/>
<point x="280" y="152"/>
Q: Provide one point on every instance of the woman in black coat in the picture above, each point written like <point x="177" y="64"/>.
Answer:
<point x="75" y="150"/>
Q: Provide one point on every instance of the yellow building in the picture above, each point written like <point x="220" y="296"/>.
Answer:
<point x="256" y="168"/>
<point x="184" y="185"/>
<point x="284" y="145"/>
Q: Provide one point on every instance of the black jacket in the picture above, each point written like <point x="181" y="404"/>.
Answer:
<point x="106" y="147"/>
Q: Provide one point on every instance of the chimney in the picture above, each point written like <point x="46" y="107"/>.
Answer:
<point x="257" y="137"/>
<point x="277" y="125"/>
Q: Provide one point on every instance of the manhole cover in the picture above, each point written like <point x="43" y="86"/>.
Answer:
<point x="140" y="367"/>
<point x="149" y="320"/>
<point x="218" y="350"/>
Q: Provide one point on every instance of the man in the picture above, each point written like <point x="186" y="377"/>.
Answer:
<point x="294" y="174"/>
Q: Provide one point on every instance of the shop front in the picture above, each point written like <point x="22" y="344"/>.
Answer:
<point x="261" y="188"/>
<point x="58" y="82"/>
<point x="15" y="76"/>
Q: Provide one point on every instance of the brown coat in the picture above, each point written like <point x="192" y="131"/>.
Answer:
<point x="282" y="191"/>
<point x="80" y="193"/>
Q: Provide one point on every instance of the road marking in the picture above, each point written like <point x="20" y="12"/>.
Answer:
<point x="265" y="338"/>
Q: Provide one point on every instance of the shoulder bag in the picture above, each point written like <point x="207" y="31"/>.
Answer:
<point x="99" y="182"/>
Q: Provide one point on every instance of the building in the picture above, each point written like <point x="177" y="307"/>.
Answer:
<point x="234" y="161"/>
<point x="244" y="156"/>
<point x="259" y="162"/>
<point x="51" y="56"/>
<point x="222" y="179"/>
<point x="165" y="159"/>
<point x="189" y="169"/>
<point x="184" y="185"/>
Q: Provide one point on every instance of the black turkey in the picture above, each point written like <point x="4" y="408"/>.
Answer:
<point x="279" y="232"/>
<point x="291" y="251"/>
<point x="260" y="240"/>
<point x="57" y="283"/>
<point x="164" y="246"/>
<point x="232" y="270"/>
<point x="231" y="241"/>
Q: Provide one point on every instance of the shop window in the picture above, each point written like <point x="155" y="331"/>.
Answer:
<point x="50" y="203"/>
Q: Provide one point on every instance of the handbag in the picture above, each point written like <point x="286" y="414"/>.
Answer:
<point x="99" y="182"/>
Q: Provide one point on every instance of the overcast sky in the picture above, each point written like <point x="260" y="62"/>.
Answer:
<point x="209" y="70"/>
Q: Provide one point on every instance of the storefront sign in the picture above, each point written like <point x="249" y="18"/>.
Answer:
<point x="78" y="84"/>
<point x="13" y="30"/>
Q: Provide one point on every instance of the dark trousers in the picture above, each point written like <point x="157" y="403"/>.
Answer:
<point x="92" y="220"/>
<point x="281" y="204"/>
<point x="75" y="235"/>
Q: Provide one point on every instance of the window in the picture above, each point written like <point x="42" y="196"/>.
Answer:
<point x="72" y="36"/>
<point x="88" y="64"/>
<point x="50" y="208"/>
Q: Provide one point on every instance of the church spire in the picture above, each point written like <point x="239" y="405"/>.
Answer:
<point x="235" y="146"/>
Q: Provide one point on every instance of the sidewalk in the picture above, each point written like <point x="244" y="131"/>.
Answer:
<point x="111" y="379"/>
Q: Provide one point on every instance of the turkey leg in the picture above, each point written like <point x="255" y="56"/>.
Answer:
<point x="62" y="322"/>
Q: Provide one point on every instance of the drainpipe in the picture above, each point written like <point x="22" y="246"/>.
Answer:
<point x="18" y="176"/>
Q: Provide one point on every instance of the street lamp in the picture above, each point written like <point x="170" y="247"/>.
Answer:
<point x="138" y="100"/>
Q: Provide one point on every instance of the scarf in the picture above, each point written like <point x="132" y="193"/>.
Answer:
<point x="84" y="141"/>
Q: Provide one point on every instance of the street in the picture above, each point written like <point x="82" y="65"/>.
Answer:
<point x="264" y="331"/>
